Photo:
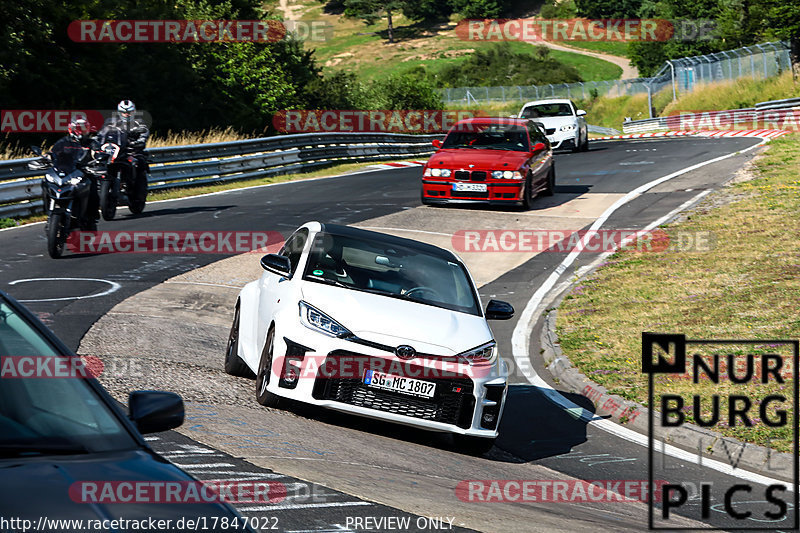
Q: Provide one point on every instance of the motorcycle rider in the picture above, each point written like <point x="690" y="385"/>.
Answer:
<point x="76" y="147"/>
<point x="135" y="131"/>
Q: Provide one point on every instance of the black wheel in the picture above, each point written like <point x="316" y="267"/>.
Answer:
<point x="233" y="363"/>
<point x="108" y="202"/>
<point x="56" y="235"/>
<point x="139" y="197"/>
<point x="551" y="182"/>
<point x="527" y="195"/>
<point x="263" y="396"/>
<point x="473" y="445"/>
<point x="585" y="146"/>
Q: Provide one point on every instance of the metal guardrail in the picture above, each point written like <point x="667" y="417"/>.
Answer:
<point x="198" y="164"/>
<point x="673" y="122"/>
<point x="787" y="103"/>
<point x="601" y="130"/>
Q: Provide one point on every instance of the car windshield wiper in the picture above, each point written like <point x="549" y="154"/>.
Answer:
<point x="21" y="449"/>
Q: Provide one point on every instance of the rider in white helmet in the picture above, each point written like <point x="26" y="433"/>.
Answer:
<point x="135" y="134"/>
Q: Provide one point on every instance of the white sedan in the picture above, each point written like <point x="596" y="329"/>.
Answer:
<point x="374" y="325"/>
<point x="562" y="122"/>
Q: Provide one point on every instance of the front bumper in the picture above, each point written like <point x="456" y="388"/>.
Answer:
<point x="467" y="400"/>
<point x="441" y="191"/>
<point x="563" y="140"/>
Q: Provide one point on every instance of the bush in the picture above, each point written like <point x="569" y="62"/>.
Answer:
<point x="500" y="65"/>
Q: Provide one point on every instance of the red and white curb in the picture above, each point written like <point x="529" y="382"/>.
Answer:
<point x="764" y="134"/>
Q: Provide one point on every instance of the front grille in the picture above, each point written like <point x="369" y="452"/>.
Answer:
<point x="470" y="175"/>
<point x="452" y="403"/>
<point x="469" y="194"/>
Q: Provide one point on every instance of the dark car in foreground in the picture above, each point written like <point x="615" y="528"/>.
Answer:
<point x="70" y="458"/>
<point x="490" y="160"/>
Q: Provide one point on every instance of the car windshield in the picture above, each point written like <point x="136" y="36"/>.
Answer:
<point x="390" y="270"/>
<point x="547" y="110"/>
<point x="488" y="137"/>
<point x="48" y="415"/>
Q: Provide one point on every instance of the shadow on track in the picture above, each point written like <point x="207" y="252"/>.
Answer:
<point x="178" y="211"/>
<point x="534" y="428"/>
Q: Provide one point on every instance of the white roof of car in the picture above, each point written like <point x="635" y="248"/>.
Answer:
<point x="549" y="101"/>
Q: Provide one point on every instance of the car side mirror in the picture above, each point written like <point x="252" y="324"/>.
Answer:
<point x="36" y="150"/>
<point x="277" y="264"/>
<point x="437" y="143"/>
<point x="581" y="113"/>
<point x="154" y="411"/>
<point x="499" y="310"/>
<point x="538" y="147"/>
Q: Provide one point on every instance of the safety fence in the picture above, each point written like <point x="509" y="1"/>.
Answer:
<point x="757" y="62"/>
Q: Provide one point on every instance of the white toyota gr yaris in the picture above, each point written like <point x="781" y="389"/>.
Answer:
<point x="374" y="325"/>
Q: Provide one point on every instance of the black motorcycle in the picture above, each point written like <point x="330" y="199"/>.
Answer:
<point x="65" y="191"/>
<point x="119" y="185"/>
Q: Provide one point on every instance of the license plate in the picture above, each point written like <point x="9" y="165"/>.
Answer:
<point x="469" y="187"/>
<point x="390" y="382"/>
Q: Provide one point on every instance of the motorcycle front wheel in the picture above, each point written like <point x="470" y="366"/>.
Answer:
<point x="108" y="202"/>
<point x="56" y="234"/>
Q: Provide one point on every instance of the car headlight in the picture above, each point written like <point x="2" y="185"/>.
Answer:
<point x="436" y="172"/>
<point x="567" y="127"/>
<point x="485" y="353"/>
<point x="315" y="319"/>
<point x="445" y="172"/>
<point x="507" y="174"/>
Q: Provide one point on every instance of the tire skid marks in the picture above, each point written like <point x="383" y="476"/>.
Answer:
<point x="193" y="458"/>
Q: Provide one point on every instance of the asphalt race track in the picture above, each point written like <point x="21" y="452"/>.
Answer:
<point x="358" y="467"/>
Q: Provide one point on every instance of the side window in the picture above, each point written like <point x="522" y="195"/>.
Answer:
<point x="293" y="248"/>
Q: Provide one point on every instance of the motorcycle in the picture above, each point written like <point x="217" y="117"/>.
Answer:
<point x="119" y="185"/>
<point x="65" y="191"/>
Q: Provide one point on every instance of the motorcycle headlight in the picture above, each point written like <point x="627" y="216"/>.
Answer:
<point x="52" y="179"/>
<point x="567" y="127"/>
<point x="75" y="181"/>
<point x="315" y="319"/>
<point x="485" y="353"/>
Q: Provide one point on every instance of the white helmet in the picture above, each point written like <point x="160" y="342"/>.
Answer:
<point x="126" y="109"/>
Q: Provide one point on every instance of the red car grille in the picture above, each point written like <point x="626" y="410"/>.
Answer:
<point x="470" y="175"/>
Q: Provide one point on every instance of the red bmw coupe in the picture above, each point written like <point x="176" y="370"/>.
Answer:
<point x="490" y="160"/>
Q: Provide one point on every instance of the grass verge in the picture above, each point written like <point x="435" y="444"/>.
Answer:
<point x="746" y="287"/>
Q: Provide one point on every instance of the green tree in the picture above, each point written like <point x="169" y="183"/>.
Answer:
<point x="371" y="11"/>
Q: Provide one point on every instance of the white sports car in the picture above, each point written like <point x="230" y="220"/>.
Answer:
<point x="562" y="122"/>
<point x="374" y="325"/>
